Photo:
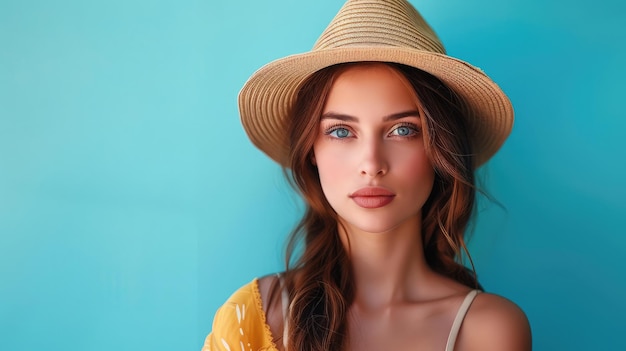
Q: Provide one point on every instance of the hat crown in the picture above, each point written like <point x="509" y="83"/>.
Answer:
<point x="393" y="23"/>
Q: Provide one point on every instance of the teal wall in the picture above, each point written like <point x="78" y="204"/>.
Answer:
<point x="132" y="204"/>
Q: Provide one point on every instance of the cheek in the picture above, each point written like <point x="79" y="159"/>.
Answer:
<point x="414" y="166"/>
<point x="331" y="167"/>
<point x="419" y="165"/>
<point x="326" y="162"/>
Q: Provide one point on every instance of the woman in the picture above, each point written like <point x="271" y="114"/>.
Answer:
<point x="381" y="133"/>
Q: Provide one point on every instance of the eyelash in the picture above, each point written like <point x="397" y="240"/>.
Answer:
<point x="413" y="127"/>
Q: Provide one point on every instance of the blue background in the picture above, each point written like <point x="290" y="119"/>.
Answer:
<point x="132" y="204"/>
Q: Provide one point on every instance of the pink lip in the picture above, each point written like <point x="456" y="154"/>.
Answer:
<point x="372" y="197"/>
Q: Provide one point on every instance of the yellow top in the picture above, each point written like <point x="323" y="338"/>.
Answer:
<point x="240" y="323"/>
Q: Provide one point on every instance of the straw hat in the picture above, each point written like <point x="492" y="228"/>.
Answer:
<point x="372" y="30"/>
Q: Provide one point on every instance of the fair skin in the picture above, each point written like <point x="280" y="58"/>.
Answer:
<point x="375" y="174"/>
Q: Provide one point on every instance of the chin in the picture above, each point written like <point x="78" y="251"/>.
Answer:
<point x="376" y="226"/>
<point x="380" y="220"/>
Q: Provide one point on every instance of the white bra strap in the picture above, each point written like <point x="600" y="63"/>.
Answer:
<point x="458" y="320"/>
<point x="285" y="304"/>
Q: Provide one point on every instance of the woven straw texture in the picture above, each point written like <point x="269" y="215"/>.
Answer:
<point x="373" y="30"/>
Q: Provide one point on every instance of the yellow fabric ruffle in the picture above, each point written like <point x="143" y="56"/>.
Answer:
<point x="240" y="323"/>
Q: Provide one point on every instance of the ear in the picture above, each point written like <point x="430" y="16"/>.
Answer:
<point x="313" y="161"/>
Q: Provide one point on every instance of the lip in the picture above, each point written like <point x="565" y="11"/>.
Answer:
<point x="372" y="197"/>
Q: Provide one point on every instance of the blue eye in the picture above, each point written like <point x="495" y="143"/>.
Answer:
<point x="404" y="131"/>
<point x="339" y="133"/>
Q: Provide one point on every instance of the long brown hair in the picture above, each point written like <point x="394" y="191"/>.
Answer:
<point x="318" y="274"/>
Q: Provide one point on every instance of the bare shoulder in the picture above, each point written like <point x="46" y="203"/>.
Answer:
<point x="495" y="323"/>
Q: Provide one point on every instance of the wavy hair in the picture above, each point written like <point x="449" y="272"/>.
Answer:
<point x="318" y="274"/>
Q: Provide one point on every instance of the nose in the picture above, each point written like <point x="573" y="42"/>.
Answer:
<point x="373" y="160"/>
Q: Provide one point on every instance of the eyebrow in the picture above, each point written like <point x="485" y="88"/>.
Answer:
<point x="349" y="118"/>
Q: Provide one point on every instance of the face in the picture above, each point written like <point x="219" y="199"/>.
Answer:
<point x="370" y="151"/>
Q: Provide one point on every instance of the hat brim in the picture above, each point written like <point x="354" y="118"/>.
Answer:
<point x="266" y="98"/>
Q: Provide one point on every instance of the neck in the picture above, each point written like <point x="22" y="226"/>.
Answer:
<point x="386" y="266"/>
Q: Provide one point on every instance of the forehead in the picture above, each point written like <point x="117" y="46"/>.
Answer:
<point x="371" y="87"/>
